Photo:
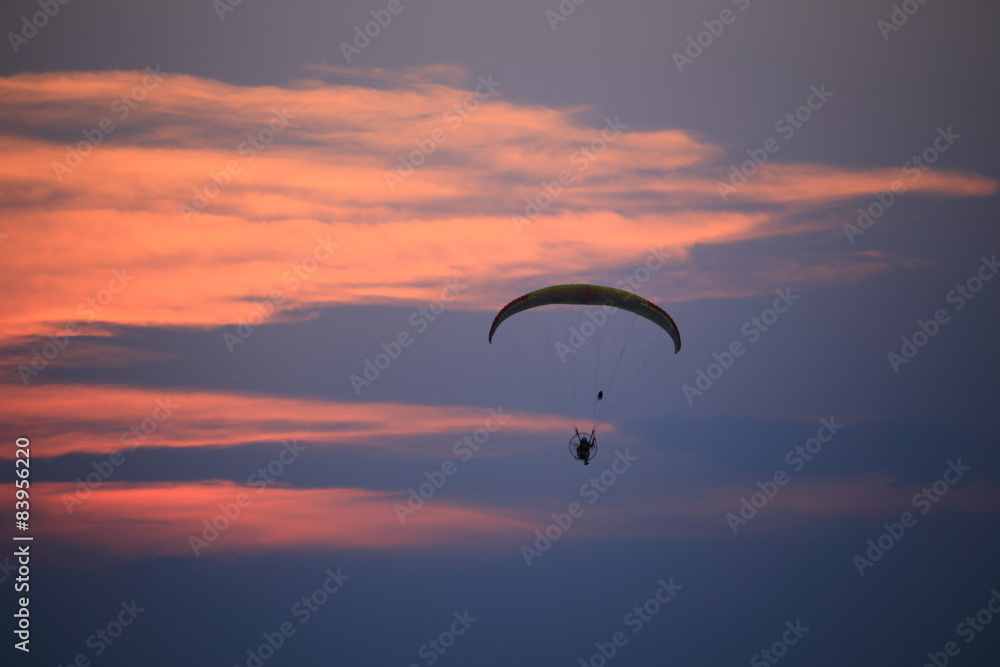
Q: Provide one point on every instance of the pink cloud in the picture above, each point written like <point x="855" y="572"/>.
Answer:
<point x="305" y="209"/>
<point x="101" y="419"/>
<point x="214" y="518"/>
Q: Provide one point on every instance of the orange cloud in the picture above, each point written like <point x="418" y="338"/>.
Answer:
<point x="60" y="419"/>
<point x="213" y="197"/>
<point x="189" y="520"/>
<point x="215" y="518"/>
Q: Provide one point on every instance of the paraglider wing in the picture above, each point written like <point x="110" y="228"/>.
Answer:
<point x="590" y="295"/>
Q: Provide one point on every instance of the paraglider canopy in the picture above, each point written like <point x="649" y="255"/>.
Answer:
<point x="591" y="295"/>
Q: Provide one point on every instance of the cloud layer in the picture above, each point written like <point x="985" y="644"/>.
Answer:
<point x="148" y="198"/>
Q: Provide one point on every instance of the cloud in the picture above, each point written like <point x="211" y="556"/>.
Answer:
<point x="166" y="519"/>
<point x="136" y="521"/>
<point x="104" y="419"/>
<point x="218" y="197"/>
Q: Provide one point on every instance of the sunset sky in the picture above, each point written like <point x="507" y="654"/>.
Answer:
<point x="252" y="252"/>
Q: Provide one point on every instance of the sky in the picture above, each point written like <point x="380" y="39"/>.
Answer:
<point x="252" y="252"/>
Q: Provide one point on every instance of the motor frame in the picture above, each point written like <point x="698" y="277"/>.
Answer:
<point x="574" y="442"/>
